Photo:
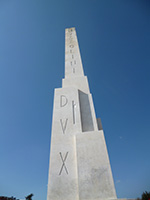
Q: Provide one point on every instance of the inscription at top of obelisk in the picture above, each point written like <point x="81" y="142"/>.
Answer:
<point x="73" y="63"/>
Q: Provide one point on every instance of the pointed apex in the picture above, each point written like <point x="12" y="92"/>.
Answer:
<point x="70" y="29"/>
<point x="73" y="63"/>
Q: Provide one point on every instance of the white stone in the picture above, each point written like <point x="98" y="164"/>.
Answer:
<point x="79" y="163"/>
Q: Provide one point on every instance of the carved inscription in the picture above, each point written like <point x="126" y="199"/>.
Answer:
<point x="71" y="46"/>
<point x="63" y="125"/>
<point x="73" y="63"/>
<point x="70" y="30"/>
<point x="63" y="163"/>
<point x="63" y="100"/>
<point x="73" y="111"/>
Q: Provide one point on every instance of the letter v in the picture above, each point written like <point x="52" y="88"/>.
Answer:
<point x="63" y="125"/>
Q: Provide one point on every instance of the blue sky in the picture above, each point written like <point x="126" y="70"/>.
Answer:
<point x="114" y="39"/>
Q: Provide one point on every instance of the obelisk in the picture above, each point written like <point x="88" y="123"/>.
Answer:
<point x="79" y="166"/>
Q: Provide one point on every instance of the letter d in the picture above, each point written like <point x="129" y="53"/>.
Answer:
<point x="63" y="100"/>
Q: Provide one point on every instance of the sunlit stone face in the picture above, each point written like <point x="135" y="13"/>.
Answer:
<point x="79" y="165"/>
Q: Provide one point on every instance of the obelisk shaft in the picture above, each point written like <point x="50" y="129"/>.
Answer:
<point x="79" y="163"/>
<point x="73" y="63"/>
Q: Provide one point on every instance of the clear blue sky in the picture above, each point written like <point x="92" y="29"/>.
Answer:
<point x="114" y="39"/>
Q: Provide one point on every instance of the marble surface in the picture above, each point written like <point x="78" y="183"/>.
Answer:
<point x="79" y="164"/>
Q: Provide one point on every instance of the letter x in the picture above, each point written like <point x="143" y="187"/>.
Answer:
<point x="63" y="161"/>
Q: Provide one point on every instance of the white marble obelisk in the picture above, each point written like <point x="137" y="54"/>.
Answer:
<point x="79" y="163"/>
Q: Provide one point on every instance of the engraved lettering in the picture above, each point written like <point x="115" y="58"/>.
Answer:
<point x="72" y="56"/>
<point x="63" y="163"/>
<point x="70" y="30"/>
<point x="73" y="63"/>
<point x="63" y="125"/>
<point x="73" y="111"/>
<point x="63" y="100"/>
<point x="71" y="46"/>
<point x="74" y="70"/>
